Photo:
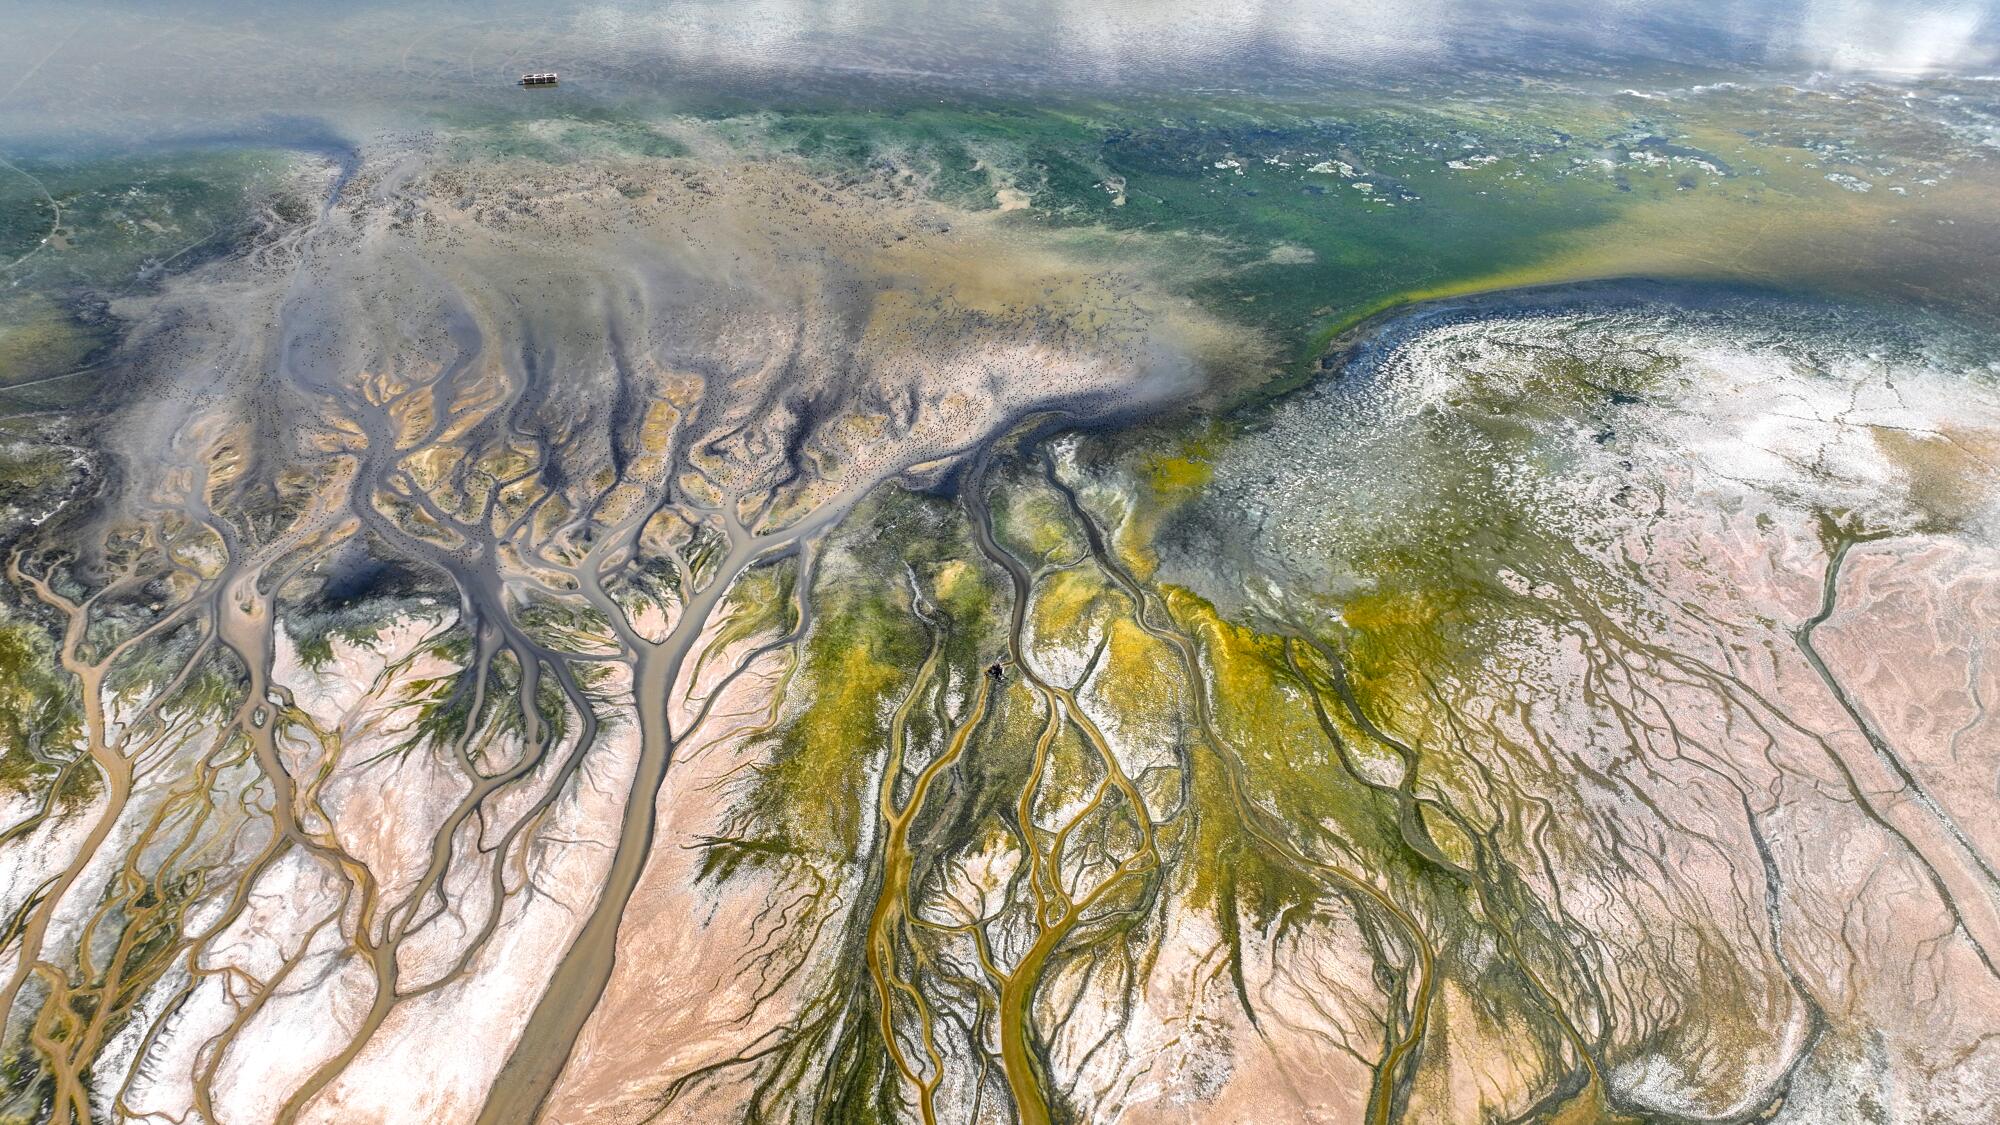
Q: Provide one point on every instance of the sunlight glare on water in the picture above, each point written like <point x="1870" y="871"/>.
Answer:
<point x="131" y="70"/>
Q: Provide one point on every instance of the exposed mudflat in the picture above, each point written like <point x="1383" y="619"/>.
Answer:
<point x="599" y="419"/>
<point x="831" y="567"/>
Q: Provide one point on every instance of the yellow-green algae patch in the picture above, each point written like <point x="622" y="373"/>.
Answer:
<point x="39" y="723"/>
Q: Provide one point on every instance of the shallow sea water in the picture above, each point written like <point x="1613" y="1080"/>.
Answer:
<point x="145" y="71"/>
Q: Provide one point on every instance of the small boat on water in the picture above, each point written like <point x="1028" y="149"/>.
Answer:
<point x="547" y="78"/>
